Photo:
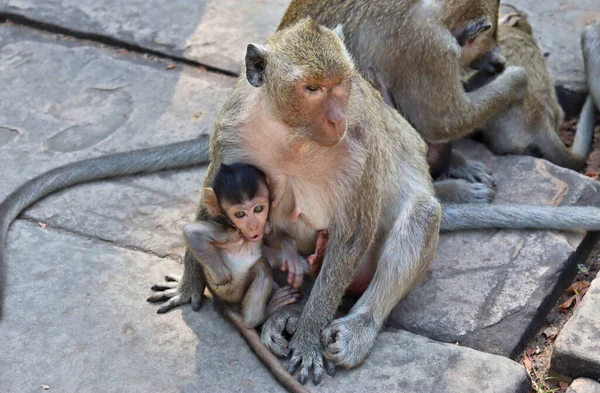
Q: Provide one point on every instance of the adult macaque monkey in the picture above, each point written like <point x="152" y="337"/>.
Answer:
<point x="419" y="49"/>
<point x="531" y="126"/>
<point x="351" y="164"/>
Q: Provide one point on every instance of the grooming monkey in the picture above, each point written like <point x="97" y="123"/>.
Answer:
<point x="531" y="126"/>
<point x="420" y="49"/>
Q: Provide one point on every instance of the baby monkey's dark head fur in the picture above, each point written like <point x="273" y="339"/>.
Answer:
<point x="240" y="194"/>
<point x="305" y="75"/>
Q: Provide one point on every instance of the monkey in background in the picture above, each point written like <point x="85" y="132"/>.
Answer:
<point x="531" y="126"/>
<point x="419" y="50"/>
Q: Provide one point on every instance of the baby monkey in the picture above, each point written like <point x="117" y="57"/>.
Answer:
<point x="230" y="245"/>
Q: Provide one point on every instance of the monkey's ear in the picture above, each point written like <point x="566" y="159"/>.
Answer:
<point x="471" y="30"/>
<point x="511" y="19"/>
<point x="339" y="31"/>
<point x="256" y="62"/>
<point x="210" y="201"/>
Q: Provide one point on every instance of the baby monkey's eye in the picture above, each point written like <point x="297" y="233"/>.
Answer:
<point x="313" y="87"/>
<point x="259" y="209"/>
<point x="239" y="214"/>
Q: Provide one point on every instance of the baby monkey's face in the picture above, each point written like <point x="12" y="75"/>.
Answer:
<point x="250" y="216"/>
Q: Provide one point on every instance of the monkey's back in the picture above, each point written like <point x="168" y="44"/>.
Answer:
<point x="540" y="103"/>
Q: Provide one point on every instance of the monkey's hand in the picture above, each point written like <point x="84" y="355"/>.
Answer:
<point x="282" y="297"/>
<point x="282" y="320"/>
<point x="348" y="340"/>
<point x="176" y="294"/>
<point x="307" y="355"/>
<point x="292" y="262"/>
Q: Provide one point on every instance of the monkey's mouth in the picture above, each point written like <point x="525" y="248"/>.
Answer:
<point x="255" y="238"/>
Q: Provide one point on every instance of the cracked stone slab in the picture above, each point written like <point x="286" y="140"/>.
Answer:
<point x="76" y="319"/>
<point x="584" y="385"/>
<point x="577" y="347"/>
<point x="564" y="58"/>
<point x="490" y="289"/>
<point x="212" y="32"/>
<point x="64" y="101"/>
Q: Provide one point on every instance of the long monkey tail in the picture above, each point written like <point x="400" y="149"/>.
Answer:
<point x="476" y="216"/>
<point x="264" y="354"/>
<point x="174" y="156"/>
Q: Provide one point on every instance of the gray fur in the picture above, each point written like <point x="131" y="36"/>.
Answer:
<point x="475" y="216"/>
<point x="174" y="156"/>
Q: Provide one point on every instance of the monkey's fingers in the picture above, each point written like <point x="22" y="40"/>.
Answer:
<point x="297" y="279"/>
<point x="276" y="304"/>
<point x="161" y="296"/>
<point x="329" y="368"/>
<point x="309" y="363"/>
<point x="164" y="286"/>
<point x="172" y="277"/>
<point x="175" y="301"/>
<point x="197" y="299"/>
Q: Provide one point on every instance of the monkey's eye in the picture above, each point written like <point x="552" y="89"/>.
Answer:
<point x="259" y="209"/>
<point x="239" y="214"/>
<point x="313" y="87"/>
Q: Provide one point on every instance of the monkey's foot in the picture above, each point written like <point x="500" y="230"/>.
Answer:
<point x="174" y="295"/>
<point x="309" y="358"/>
<point x="282" y="320"/>
<point x="471" y="171"/>
<point x="461" y="191"/>
<point x="348" y="340"/>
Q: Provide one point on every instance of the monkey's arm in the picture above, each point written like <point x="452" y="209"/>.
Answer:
<point x="203" y="239"/>
<point x="347" y="244"/>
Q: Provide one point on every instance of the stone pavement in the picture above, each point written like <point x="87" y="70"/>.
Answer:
<point x="80" y="263"/>
<point x="577" y="347"/>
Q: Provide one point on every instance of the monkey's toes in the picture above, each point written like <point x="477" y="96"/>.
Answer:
<point x="348" y="340"/>
<point x="173" y="302"/>
<point x="310" y="361"/>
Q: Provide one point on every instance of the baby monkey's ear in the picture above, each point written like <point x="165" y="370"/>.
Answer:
<point x="210" y="201"/>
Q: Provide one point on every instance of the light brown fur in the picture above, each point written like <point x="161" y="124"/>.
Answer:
<point x="531" y="126"/>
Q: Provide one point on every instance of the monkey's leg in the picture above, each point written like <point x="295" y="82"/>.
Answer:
<point x="254" y="305"/>
<point x="469" y="170"/>
<point x="189" y="289"/>
<point x="405" y="256"/>
<point x="461" y="191"/>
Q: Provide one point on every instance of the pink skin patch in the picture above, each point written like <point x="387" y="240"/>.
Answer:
<point x="296" y="214"/>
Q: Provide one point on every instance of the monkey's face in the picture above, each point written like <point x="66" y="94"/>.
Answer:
<point x="251" y="215"/>
<point x="307" y="86"/>
<point x="317" y="109"/>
